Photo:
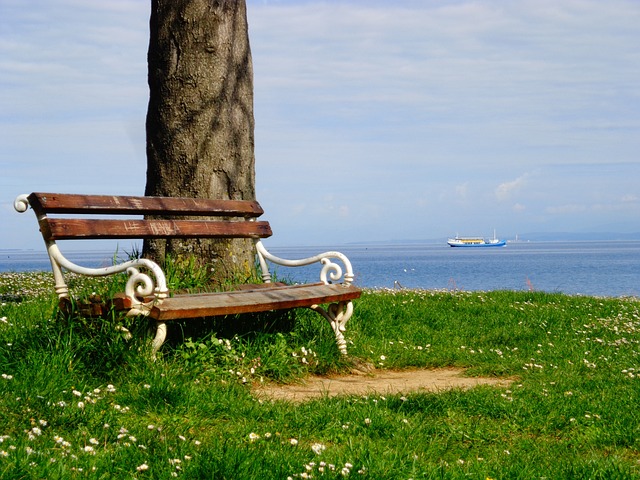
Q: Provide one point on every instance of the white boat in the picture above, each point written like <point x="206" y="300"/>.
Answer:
<point x="476" y="242"/>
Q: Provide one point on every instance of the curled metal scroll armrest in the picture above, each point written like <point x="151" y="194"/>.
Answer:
<point x="331" y="271"/>
<point x="145" y="277"/>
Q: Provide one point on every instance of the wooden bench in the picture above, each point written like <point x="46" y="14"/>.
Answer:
<point x="146" y="293"/>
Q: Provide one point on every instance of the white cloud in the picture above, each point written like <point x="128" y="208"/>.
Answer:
<point x="505" y="190"/>
<point x="630" y="198"/>
<point x="462" y="190"/>
<point x="568" y="209"/>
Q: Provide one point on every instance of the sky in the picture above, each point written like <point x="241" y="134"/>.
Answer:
<point x="375" y="120"/>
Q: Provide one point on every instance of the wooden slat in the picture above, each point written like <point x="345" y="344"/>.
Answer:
<point x="121" y="302"/>
<point x="128" y="205"/>
<point x="259" y="300"/>
<point x="87" y="229"/>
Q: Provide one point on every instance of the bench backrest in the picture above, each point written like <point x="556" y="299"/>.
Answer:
<point x="181" y="217"/>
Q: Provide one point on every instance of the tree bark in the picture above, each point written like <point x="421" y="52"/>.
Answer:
<point x="200" y="125"/>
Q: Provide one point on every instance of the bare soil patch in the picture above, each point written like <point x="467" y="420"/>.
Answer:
<point x="376" y="382"/>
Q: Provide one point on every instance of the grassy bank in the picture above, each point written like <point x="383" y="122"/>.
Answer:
<point x="77" y="400"/>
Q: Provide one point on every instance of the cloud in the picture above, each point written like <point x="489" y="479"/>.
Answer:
<point x="630" y="198"/>
<point x="505" y="190"/>
<point x="462" y="190"/>
<point x="568" y="209"/>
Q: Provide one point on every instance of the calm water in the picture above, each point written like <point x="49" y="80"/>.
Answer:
<point x="589" y="268"/>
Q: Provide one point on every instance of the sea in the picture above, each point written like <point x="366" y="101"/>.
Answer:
<point x="610" y="269"/>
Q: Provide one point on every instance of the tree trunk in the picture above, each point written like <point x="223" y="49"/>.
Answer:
<point x="200" y="125"/>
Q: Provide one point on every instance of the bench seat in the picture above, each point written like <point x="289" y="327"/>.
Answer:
<point x="251" y="301"/>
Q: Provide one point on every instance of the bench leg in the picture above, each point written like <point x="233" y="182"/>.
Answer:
<point x="161" y="335"/>
<point x="337" y="314"/>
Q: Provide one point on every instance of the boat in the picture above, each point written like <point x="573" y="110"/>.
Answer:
<point x="476" y="242"/>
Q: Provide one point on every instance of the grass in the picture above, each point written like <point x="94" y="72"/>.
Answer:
<point x="78" y="400"/>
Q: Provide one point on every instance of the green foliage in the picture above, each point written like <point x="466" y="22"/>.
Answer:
<point x="186" y="273"/>
<point x="77" y="399"/>
<point x="191" y="274"/>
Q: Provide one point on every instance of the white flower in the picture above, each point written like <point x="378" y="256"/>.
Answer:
<point x="143" y="467"/>
<point x="253" y="437"/>
<point x="293" y="441"/>
<point x="367" y="421"/>
<point x="318" y="448"/>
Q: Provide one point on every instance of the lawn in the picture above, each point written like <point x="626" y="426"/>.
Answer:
<point x="79" y="400"/>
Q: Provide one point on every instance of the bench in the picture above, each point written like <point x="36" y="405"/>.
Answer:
<point x="86" y="217"/>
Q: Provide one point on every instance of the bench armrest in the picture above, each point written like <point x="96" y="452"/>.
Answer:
<point x="145" y="278"/>
<point x="331" y="271"/>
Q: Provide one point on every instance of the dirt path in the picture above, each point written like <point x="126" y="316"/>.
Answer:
<point x="378" y="382"/>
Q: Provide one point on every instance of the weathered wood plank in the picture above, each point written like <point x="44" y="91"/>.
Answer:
<point x="130" y="205"/>
<point x="87" y="229"/>
<point x="251" y="301"/>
